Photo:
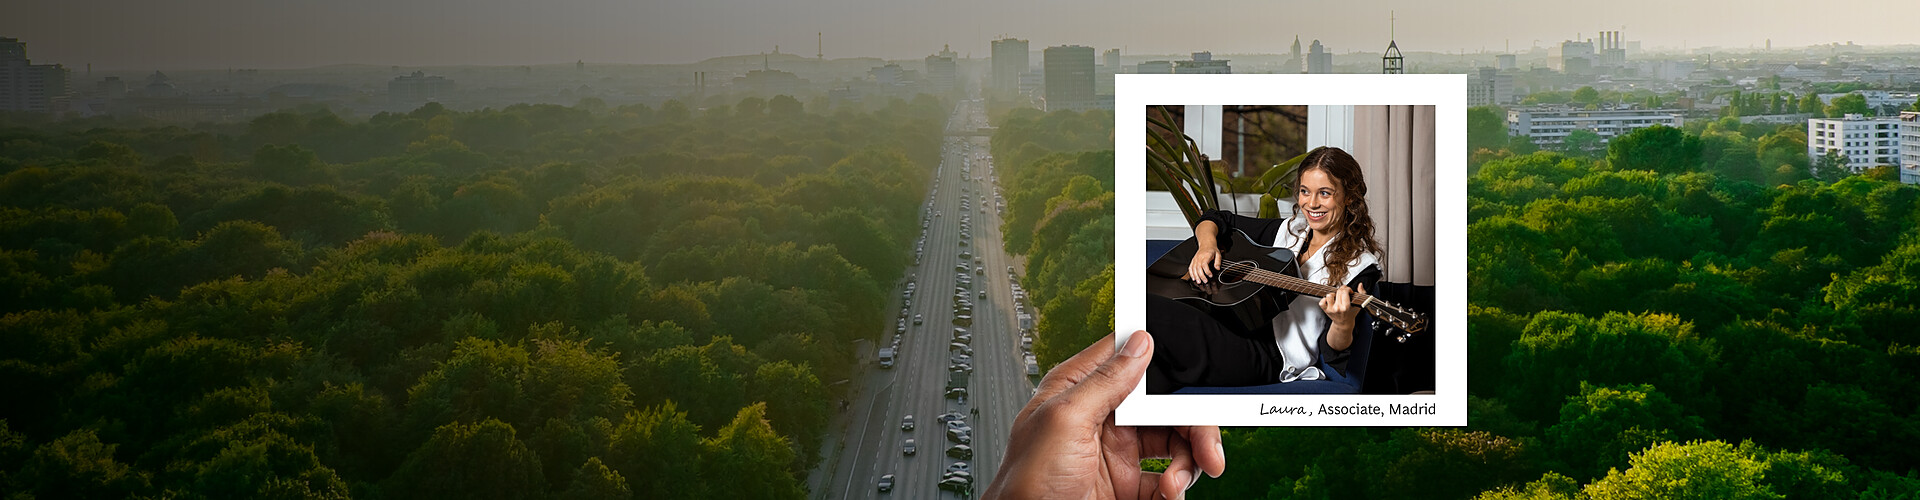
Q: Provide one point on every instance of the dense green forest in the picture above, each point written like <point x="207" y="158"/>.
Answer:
<point x="576" y="302"/>
<point x="1056" y="172"/>
<point x="1677" y="315"/>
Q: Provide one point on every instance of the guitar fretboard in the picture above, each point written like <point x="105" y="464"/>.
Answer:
<point x="1297" y="285"/>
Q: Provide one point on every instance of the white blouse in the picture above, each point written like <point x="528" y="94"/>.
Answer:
<point x="1298" y="329"/>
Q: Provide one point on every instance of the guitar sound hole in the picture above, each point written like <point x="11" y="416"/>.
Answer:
<point x="1234" y="272"/>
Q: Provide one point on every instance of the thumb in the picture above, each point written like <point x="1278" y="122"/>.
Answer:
<point x="1111" y="382"/>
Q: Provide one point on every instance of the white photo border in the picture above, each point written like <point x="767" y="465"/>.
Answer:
<point x="1447" y="94"/>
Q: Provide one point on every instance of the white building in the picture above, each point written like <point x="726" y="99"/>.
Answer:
<point x="1549" y="126"/>
<point x="1910" y="147"/>
<point x="1866" y="142"/>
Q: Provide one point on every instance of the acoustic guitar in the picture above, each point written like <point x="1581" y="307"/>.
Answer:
<point x="1256" y="282"/>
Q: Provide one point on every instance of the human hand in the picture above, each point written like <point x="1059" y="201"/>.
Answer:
<point x="1205" y="260"/>
<point x="1339" y="306"/>
<point x="1065" y="445"/>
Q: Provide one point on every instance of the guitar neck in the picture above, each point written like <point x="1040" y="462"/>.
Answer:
<point x="1301" y="286"/>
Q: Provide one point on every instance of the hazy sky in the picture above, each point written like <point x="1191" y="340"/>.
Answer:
<point x="142" y="34"/>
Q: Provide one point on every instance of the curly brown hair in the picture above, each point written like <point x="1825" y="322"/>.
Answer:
<point x="1356" y="228"/>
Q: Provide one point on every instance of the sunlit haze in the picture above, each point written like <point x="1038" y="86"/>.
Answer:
<point x="127" y="34"/>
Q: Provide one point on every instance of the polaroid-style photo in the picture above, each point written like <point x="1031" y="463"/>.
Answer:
<point x="1296" y="246"/>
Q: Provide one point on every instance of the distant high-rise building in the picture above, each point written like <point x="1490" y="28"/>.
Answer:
<point x="1069" y="76"/>
<point x="1865" y="142"/>
<point x="889" y="75"/>
<point x="418" y="88"/>
<point x="1009" y="62"/>
<point x="1319" y="61"/>
<point x="1489" y="87"/>
<point x="1505" y="62"/>
<point x="1202" y="64"/>
<point x="942" y="72"/>
<point x="25" y="86"/>
<point x="1154" y="68"/>
<point x="1576" y="57"/>
<point x="1109" y="66"/>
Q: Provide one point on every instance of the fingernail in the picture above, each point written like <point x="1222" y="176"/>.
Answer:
<point x="1186" y="477"/>
<point x="1136" y="345"/>
<point x="1219" y="451"/>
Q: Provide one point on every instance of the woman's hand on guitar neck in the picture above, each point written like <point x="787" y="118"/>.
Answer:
<point x="1339" y="306"/>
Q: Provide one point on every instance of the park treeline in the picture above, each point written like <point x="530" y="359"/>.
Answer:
<point x="575" y="302"/>
<point x="1055" y="171"/>
<point x="1697" y="313"/>
<point x="1686" y="313"/>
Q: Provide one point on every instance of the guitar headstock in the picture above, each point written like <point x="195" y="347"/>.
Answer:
<point x="1401" y="318"/>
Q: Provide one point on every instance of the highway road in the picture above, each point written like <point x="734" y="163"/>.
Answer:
<point x="871" y="443"/>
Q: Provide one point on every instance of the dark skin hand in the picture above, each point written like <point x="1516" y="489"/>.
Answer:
<point x="1065" y="444"/>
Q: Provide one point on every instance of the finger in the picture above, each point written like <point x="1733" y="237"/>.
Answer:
<point x="1216" y="260"/>
<point x="1069" y="373"/>
<point x="1208" y="451"/>
<point x="1106" y="385"/>
<point x="1180" y="471"/>
<point x="1150" y="487"/>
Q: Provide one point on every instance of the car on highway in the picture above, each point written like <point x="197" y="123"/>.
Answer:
<point x="960" y="367"/>
<point x="958" y="358"/>
<point x="951" y="416"/>
<point x="958" y="485"/>
<point x="959" y="467"/>
<point x="916" y="319"/>
<point x="963" y="320"/>
<point x="960" y="451"/>
<point x="906" y="423"/>
<point x="959" y="425"/>
<point x="886" y="483"/>
<point x="956" y="393"/>
<point x="908" y="448"/>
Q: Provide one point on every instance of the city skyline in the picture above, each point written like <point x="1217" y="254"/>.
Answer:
<point x="124" y="35"/>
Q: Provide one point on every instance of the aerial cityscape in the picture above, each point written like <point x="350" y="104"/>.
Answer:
<point x="1535" y="85"/>
<point x="840" y="266"/>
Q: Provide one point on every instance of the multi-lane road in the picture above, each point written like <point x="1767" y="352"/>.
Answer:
<point x="960" y="218"/>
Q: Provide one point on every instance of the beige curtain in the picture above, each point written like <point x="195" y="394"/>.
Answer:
<point x="1395" y="147"/>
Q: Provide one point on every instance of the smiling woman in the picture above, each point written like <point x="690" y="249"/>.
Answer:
<point x="1328" y="239"/>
